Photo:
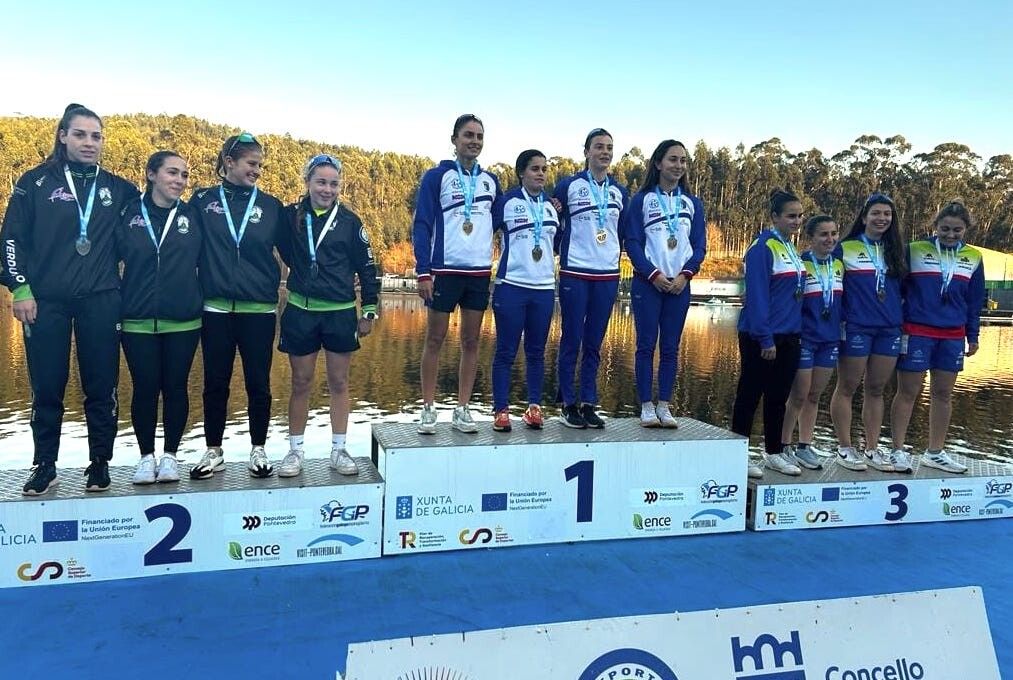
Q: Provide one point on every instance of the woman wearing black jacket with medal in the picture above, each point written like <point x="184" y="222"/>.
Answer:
<point x="159" y="242"/>
<point x="60" y="263"/>
<point x="325" y="246"/>
<point x="239" y="278"/>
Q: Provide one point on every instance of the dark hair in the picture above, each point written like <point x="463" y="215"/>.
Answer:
<point x="58" y="156"/>
<point x="156" y="161"/>
<point x="591" y="135"/>
<point x="780" y="198"/>
<point x="954" y="208"/>
<point x="893" y="244"/>
<point x="524" y="160"/>
<point x="815" y="221"/>
<point x="463" y="120"/>
<point x="235" y="147"/>
<point x="653" y="174"/>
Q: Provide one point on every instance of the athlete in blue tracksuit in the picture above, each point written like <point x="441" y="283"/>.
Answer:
<point x="588" y="244"/>
<point x="525" y="297"/>
<point x="666" y="238"/>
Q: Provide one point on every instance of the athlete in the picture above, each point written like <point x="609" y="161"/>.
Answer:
<point x="239" y="278"/>
<point x="159" y="242"/>
<point x="821" y="333"/>
<point x="452" y="239"/>
<point x="325" y="247"/>
<point x="943" y="297"/>
<point x="588" y="242"/>
<point x="525" y="297"/>
<point x="769" y="326"/>
<point x="60" y="264"/>
<point x="666" y="238"/>
<point x="874" y="266"/>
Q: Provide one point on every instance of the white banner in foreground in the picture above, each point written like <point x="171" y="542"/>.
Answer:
<point x="931" y="635"/>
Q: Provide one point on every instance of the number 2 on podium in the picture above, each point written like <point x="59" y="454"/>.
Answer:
<point x="584" y="472"/>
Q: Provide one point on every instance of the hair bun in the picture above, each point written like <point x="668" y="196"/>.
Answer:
<point x="956" y="201"/>
<point x="71" y="107"/>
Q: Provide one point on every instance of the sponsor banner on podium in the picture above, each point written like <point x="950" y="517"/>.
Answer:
<point x="453" y="498"/>
<point x="818" y="506"/>
<point x="945" y="636"/>
<point x="102" y="538"/>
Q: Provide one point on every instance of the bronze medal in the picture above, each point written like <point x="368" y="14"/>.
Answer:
<point x="601" y="236"/>
<point x="672" y="242"/>
<point x="881" y="294"/>
<point x="536" y="253"/>
<point x="468" y="227"/>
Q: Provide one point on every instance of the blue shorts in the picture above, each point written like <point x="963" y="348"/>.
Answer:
<point x="923" y="354"/>
<point x="818" y="354"/>
<point x="860" y="341"/>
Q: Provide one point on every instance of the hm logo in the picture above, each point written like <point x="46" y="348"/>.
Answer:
<point x="778" y="651"/>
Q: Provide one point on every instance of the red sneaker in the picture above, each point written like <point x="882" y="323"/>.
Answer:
<point x="502" y="422"/>
<point x="533" y="417"/>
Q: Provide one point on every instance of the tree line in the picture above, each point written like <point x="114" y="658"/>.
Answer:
<point x="732" y="183"/>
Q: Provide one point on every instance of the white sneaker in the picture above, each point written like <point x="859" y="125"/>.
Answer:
<point x="259" y="467"/>
<point x="783" y="462"/>
<point x="462" y="420"/>
<point x="211" y="462"/>
<point x="878" y="461"/>
<point x="665" y="416"/>
<point x="848" y="458"/>
<point x="427" y="420"/>
<point x="901" y="460"/>
<point x="755" y="471"/>
<point x="649" y="416"/>
<point x="291" y="464"/>
<point x="820" y="453"/>
<point x="145" y="473"/>
<point x="168" y="468"/>
<point x="342" y="462"/>
<point x="942" y="461"/>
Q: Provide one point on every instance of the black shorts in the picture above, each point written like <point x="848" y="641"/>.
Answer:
<point x="450" y="290"/>
<point x="304" y="332"/>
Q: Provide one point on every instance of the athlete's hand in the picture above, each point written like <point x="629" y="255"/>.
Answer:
<point x="972" y="349"/>
<point x="365" y="327"/>
<point x="663" y="284"/>
<point x="768" y="354"/>
<point x="425" y="289"/>
<point x="678" y="284"/>
<point x="25" y="311"/>
<point x="556" y="204"/>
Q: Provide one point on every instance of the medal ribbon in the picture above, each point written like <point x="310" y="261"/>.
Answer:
<point x="947" y="264"/>
<point x="151" y="230"/>
<point x="468" y="189"/>
<point x="793" y="256"/>
<point x="328" y="225"/>
<point x="246" y="216"/>
<point x="671" y="220"/>
<point x="601" y="198"/>
<point x="877" y="261"/>
<point x="537" y="211"/>
<point x="84" y="216"/>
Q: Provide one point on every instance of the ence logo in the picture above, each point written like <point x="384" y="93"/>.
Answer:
<point x="627" y="663"/>
<point x="778" y="651"/>
<point x="954" y="510"/>
<point x="482" y="535"/>
<point x="254" y="552"/>
<point x="25" y="572"/>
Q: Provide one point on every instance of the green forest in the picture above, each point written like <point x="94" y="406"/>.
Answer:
<point x="732" y="183"/>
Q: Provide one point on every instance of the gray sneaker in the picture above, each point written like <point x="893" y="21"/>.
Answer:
<point x="901" y="461"/>
<point x="463" y="421"/>
<point x="291" y="464"/>
<point x="755" y="471"/>
<point x="783" y="462"/>
<point x="427" y="420"/>
<point x="820" y="453"/>
<point x="211" y="462"/>
<point x="807" y="458"/>
<point x="877" y="460"/>
<point x="942" y="461"/>
<point x="342" y="462"/>
<point x="848" y="458"/>
<point x="168" y="469"/>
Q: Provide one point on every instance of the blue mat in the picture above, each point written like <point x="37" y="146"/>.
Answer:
<point x="296" y="622"/>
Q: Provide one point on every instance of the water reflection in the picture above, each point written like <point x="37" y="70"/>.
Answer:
<point x="384" y="386"/>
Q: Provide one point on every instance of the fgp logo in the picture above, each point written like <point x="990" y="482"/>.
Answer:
<point x="334" y="511"/>
<point x="466" y="537"/>
<point x="55" y="570"/>
<point x="710" y="490"/>
<point x="994" y="487"/>
<point x="628" y="663"/>
<point x="779" y="650"/>
<point x="407" y="539"/>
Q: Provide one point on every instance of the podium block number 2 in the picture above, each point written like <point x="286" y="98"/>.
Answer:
<point x="583" y="471"/>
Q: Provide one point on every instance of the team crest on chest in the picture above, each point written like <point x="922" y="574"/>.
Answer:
<point x="183" y="224"/>
<point x="256" y="214"/>
<point x="105" y="196"/>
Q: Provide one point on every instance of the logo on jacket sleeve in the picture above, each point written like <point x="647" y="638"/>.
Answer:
<point x="61" y="194"/>
<point x="364" y="236"/>
<point x="214" y="207"/>
<point x="137" y="221"/>
<point x="106" y="196"/>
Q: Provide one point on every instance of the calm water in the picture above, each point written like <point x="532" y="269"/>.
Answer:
<point x="385" y="386"/>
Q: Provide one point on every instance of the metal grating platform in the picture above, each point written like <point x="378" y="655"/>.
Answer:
<point x="404" y="435"/>
<point x="832" y="473"/>
<point x="235" y="477"/>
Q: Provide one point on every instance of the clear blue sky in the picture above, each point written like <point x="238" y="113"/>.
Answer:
<point x="394" y="75"/>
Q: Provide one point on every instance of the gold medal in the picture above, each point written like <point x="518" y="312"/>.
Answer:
<point x="468" y="227"/>
<point x="672" y="242"/>
<point x="601" y="236"/>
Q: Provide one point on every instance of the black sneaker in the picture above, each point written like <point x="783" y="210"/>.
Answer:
<point x="570" y="416"/>
<point x="42" y="480"/>
<point x="591" y="418"/>
<point x="98" y="476"/>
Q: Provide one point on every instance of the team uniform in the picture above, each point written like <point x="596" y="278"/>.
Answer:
<point x="524" y="297"/>
<point x="452" y="235"/>
<point x="771" y="317"/>
<point x="821" y="311"/>
<point x="666" y="235"/>
<point x="239" y="278"/>
<point x="59" y="248"/>
<point x="588" y="243"/>
<point x="321" y="309"/>
<point x="943" y="296"/>
<point x="160" y="249"/>
<point x="872" y="300"/>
